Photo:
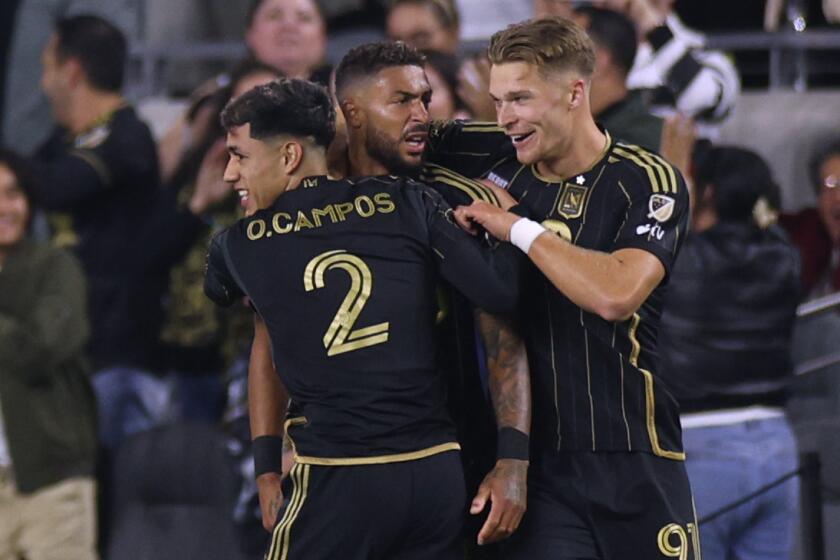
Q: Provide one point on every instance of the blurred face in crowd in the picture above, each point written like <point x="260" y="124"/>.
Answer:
<point x="548" y="8"/>
<point x="393" y="110"/>
<point x="536" y="111"/>
<point x="255" y="169"/>
<point x="289" y="35"/>
<point x="442" y="105"/>
<point x="418" y="25"/>
<point x="56" y="79"/>
<point x="829" y="197"/>
<point x="14" y="210"/>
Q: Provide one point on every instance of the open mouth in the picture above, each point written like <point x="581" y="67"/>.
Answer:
<point x="243" y="197"/>
<point x="416" y="141"/>
<point x="519" y="139"/>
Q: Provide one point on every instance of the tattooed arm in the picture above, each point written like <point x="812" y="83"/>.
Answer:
<point x="510" y="390"/>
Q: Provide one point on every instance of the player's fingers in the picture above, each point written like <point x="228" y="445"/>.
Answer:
<point x="488" y="532"/>
<point x="480" y="500"/>
<point x="463" y="219"/>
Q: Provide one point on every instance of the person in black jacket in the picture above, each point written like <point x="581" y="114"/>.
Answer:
<point x="725" y="347"/>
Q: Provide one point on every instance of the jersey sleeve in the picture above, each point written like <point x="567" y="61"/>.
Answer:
<point x="657" y="212"/>
<point x="487" y="274"/>
<point x="468" y="148"/>
<point x="70" y="174"/>
<point x="219" y="283"/>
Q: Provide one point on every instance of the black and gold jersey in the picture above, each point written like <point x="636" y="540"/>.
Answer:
<point x="344" y="274"/>
<point x="595" y="382"/>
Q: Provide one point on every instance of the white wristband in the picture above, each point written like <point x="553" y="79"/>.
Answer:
<point x="523" y="233"/>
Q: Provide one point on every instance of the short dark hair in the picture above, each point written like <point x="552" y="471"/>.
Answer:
<point x="825" y="152"/>
<point x="445" y="10"/>
<point x="99" y="46"/>
<point x="24" y="176"/>
<point x="285" y="106"/>
<point x="614" y="32"/>
<point x="740" y="177"/>
<point x="368" y="59"/>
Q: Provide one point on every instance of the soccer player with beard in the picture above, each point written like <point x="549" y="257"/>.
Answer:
<point x="603" y="223"/>
<point x="343" y="275"/>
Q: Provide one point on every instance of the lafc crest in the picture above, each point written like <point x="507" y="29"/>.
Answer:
<point x="572" y="201"/>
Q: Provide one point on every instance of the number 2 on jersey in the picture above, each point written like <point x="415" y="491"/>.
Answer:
<point x="340" y="336"/>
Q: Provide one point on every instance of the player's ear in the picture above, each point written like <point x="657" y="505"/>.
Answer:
<point x="353" y="114"/>
<point x="577" y="93"/>
<point x="291" y="156"/>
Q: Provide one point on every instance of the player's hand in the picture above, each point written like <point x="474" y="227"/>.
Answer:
<point x="492" y="218"/>
<point x="271" y="498"/>
<point x="506" y="488"/>
<point x="474" y="88"/>
<point x="210" y="187"/>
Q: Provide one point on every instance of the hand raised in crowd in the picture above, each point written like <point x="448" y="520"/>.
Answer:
<point x="474" y="88"/>
<point x="679" y="134"/>
<point x="505" y="487"/>
<point x="210" y="187"/>
<point x="644" y="13"/>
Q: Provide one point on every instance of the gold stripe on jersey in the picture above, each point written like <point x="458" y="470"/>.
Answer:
<point x="650" y="401"/>
<point x="373" y="460"/>
<point x="654" y="183"/>
<point x="378" y="459"/>
<point x="666" y="170"/>
<point x="474" y="189"/>
<point x="279" y="549"/>
<point x="644" y="155"/>
<point x="481" y="126"/>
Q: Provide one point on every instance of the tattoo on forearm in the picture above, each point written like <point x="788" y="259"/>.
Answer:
<point x="507" y="362"/>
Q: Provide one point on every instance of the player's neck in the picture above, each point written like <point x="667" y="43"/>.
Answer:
<point x="361" y="164"/>
<point x="90" y="107"/>
<point x="311" y="167"/>
<point x="583" y="150"/>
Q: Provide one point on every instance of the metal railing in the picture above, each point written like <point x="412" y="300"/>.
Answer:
<point x="811" y="309"/>
<point x="788" y="67"/>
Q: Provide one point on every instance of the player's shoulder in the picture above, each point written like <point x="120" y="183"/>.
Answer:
<point x="645" y="172"/>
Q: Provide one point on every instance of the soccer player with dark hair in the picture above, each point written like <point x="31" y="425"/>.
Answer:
<point x="601" y="223"/>
<point x="343" y="275"/>
<point x="384" y="94"/>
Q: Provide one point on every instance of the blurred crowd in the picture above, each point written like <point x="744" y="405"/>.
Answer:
<point x="105" y="333"/>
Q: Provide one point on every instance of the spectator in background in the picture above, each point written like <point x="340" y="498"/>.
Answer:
<point x="442" y="73"/>
<point x="291" y="36"/>
<point x="622" y="111"/>
<point x="677" y="69"/>
<point x="47" y="409"/>
<point x="816" y="231"/>
<point x="725" y="346"/>
<point x="199" y="341"/>
<point x="425" y="24"/>
<point x="26" y="117"/>
<point x="100" y="180"/>
<point x="287" y="35"/>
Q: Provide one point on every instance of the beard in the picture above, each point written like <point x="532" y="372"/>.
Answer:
<point x="386" y="150"/>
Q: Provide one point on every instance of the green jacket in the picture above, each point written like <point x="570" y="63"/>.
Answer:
<point x="48" y="406"/>
<point x="631" y="121"/>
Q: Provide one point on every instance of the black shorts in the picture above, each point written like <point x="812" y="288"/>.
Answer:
<point x="607" y="506"/>
<point x="412" y="510"/>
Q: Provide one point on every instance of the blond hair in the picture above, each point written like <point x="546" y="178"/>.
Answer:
<point x="553" y="44"/>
